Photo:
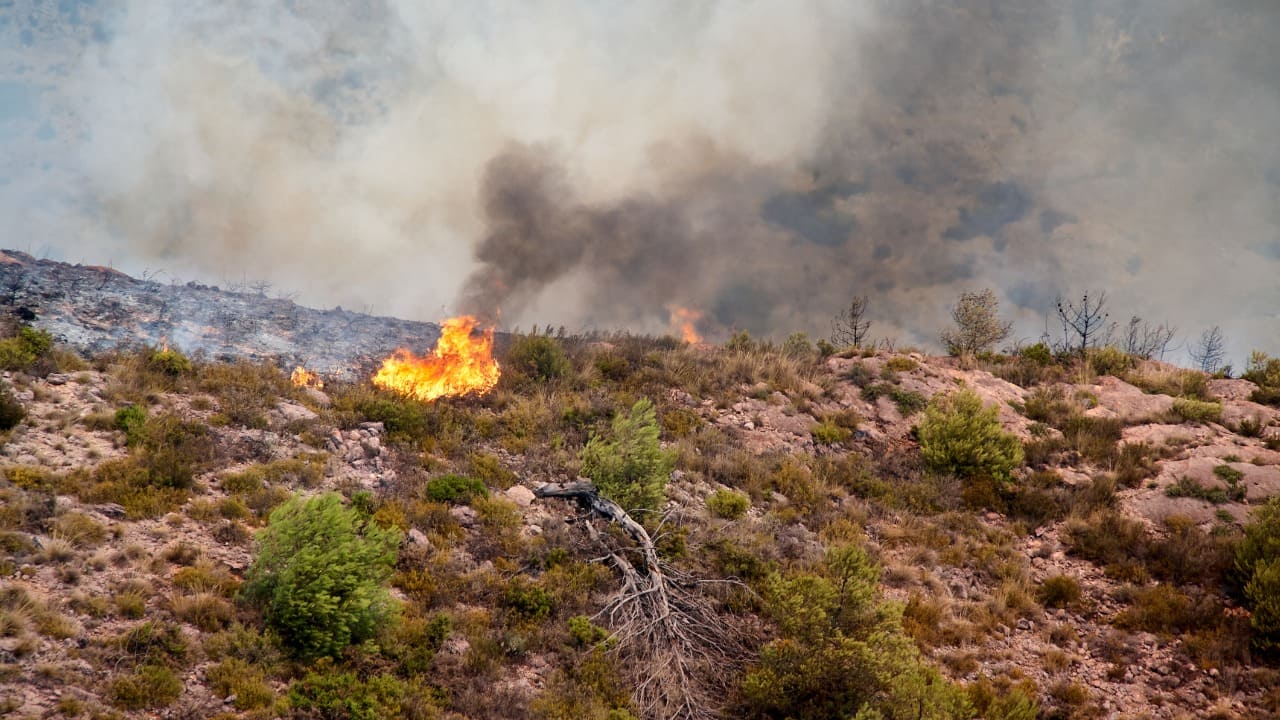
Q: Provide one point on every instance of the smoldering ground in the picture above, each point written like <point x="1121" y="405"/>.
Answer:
<point x="591" y="164"/>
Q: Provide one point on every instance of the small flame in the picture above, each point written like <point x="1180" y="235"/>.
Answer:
<point x="164" y="344"/>
<point x="686" y="319"/>
<point x="303" y="377"/>
<point x="460" y="365"/>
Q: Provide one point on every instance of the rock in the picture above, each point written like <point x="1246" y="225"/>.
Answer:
<point x="293" y="412"/>
<point x="748" y="425"/>
<point x="57" y="379"/>
<point x="317" y="396"/>
<point x="111" y="510"/>
<point x="464" y="515"/>
<point x="373" y="427"/>
<point x="417" y="537"/>
<point x="520" y="495"/>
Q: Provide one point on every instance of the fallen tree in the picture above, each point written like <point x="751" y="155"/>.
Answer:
<point x="678" y="649"/>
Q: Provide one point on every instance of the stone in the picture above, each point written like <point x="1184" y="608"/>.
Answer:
<point x="417" y="537"/>
<point x="293" y="412"/>
<point x="317" y="396"/>
<point x="57" y="379"/>
<point x="520" y="495"/>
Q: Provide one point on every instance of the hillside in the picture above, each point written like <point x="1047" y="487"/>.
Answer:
<point x="813" y="560"/>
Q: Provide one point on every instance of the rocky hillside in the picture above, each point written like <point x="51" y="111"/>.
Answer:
<point x="92" y="308"/>
<point x="841" y="564"/>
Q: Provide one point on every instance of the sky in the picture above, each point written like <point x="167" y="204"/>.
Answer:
<point x="593" y="164"/>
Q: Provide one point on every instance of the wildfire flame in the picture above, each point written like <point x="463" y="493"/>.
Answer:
<point x="303" y="377"/>
<point x="461" y="364"/>
<point x="685" y="319"/>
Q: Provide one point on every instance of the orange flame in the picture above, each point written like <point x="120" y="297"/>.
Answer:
<point x="685" y="319"/>
<point x="459" y="365"/>
<point x="303" y="377"/>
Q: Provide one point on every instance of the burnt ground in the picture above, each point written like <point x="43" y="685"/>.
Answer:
<point x="94" y="309"/>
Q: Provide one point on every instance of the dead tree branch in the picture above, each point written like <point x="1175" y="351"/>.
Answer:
<point x="671" y="639"/>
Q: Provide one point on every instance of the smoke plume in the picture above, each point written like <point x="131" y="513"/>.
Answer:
<point x="594" y="164"/>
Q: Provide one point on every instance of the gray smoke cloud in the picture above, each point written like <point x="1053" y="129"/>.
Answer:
<point x="596" y="164"/>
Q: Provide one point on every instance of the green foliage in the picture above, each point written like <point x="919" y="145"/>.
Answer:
<point x="130" y="420"/>
<point x="797" y="346"/>
<point x="11" y="410"/>
<point x="1110" y="360"/>
<point x="900" y="363"/>
<point x="23" y="350"/>
<point x="630" y="468"/>
<point x="148" y="687"/>
<point x="320" y="574"/>
<point x="842" y="653"/>
<point x="1263" y="370"/>
<point x="586" y="633"/>
<point x="725" y="503"/>
<point x="455" y="489"/>
<point x="168" y="361"/>
<point x="1258" y="572"/>
<point x="1186" y="487"/>
<point x="1040" y="354"/>
<point x="828" y="432"/>
<point x="960" y="436"/>
<point x="538" y="358"/>
<point x="234" y="676"/>
<point x="1189" y="410"/>
<point x="345" y="696"/>
<point x="1006" y="701"/>
<point x="528" y="600"/>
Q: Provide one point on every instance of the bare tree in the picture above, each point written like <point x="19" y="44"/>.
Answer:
<point x="849" y="329"/>
<point x="673" y="639"/>
<point x="1210" y="350"/>
<point x="1144" y="340"/>
<point x="1085" y="325"/>
<point x="978" y="326"/>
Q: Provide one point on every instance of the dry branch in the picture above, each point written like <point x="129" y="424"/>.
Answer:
<point x="668" y="636"/>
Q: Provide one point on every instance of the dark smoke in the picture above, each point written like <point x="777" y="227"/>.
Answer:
<point x="593" y="164"/>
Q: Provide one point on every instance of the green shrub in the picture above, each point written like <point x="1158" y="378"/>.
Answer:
<point x="11" y="410"/>
<point x="1189" y="410"/>
<point x="630" y="468"/>
<point x="234" y="676"/>
<point x="320" y="574"/>
<point x="960" y="436"/>
<point x="455" y="489"/>
<point x="586" y="633"/>
<point x="1110" y="360"/>
<point x="901" y="363"/>
<point x="1058" y="591"/>
<point x="724" y="503"/>
<point x="21" y="351"/>
<point x="841" y="653"/>
<point x="130" y="420"/>
<point x="539" y="358"/>
<point x="344" y="696"/>
<point x="168" y="361"/>
<point x="829" y="433"/>
<point x="528" y="600"/>
<point x="1257" y="572"/>
<point x="150" y="686"/>
<point x="1040" y="354"/>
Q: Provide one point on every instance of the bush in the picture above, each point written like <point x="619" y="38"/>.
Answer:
<point x="21" y="351"/>
<point x="630" y="468"/>
<point x="829" y="433"/>
<point x="320" y="574"/>
<point x="1058" y="591"/>
<point x="1189" y="410"/>
<point x="150" y="686"/>
<point x="344" y="696"/>
<point x="167" y="361"/>
<point x="539" y="358"/>
<point x="11" y="410"/>
<point x="130" y="420"/>
<point x="724" y="503"/>
<point x="1258" y="572"/>
<point x="960" y="436"/>
<point x="455" y="489"/>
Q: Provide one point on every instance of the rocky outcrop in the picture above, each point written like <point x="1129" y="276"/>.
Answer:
<point x="94" y="309"/>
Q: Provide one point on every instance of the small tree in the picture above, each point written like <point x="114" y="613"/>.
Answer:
<point x="631" y="468"/>
<point x="849" y="329"/>
<point x="1144" y="340"/>
<point x="320" y="575"/>
<point x="961" y="436"/>
<point x="1258" y="572"/>
<point x="978" y="326"/>
<point x="1209" y="352"/>
<point x="1085" y="325"/>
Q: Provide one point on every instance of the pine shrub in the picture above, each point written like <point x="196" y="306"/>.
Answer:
<point x="960" y="436"/>
<point x="320" y="575"/>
